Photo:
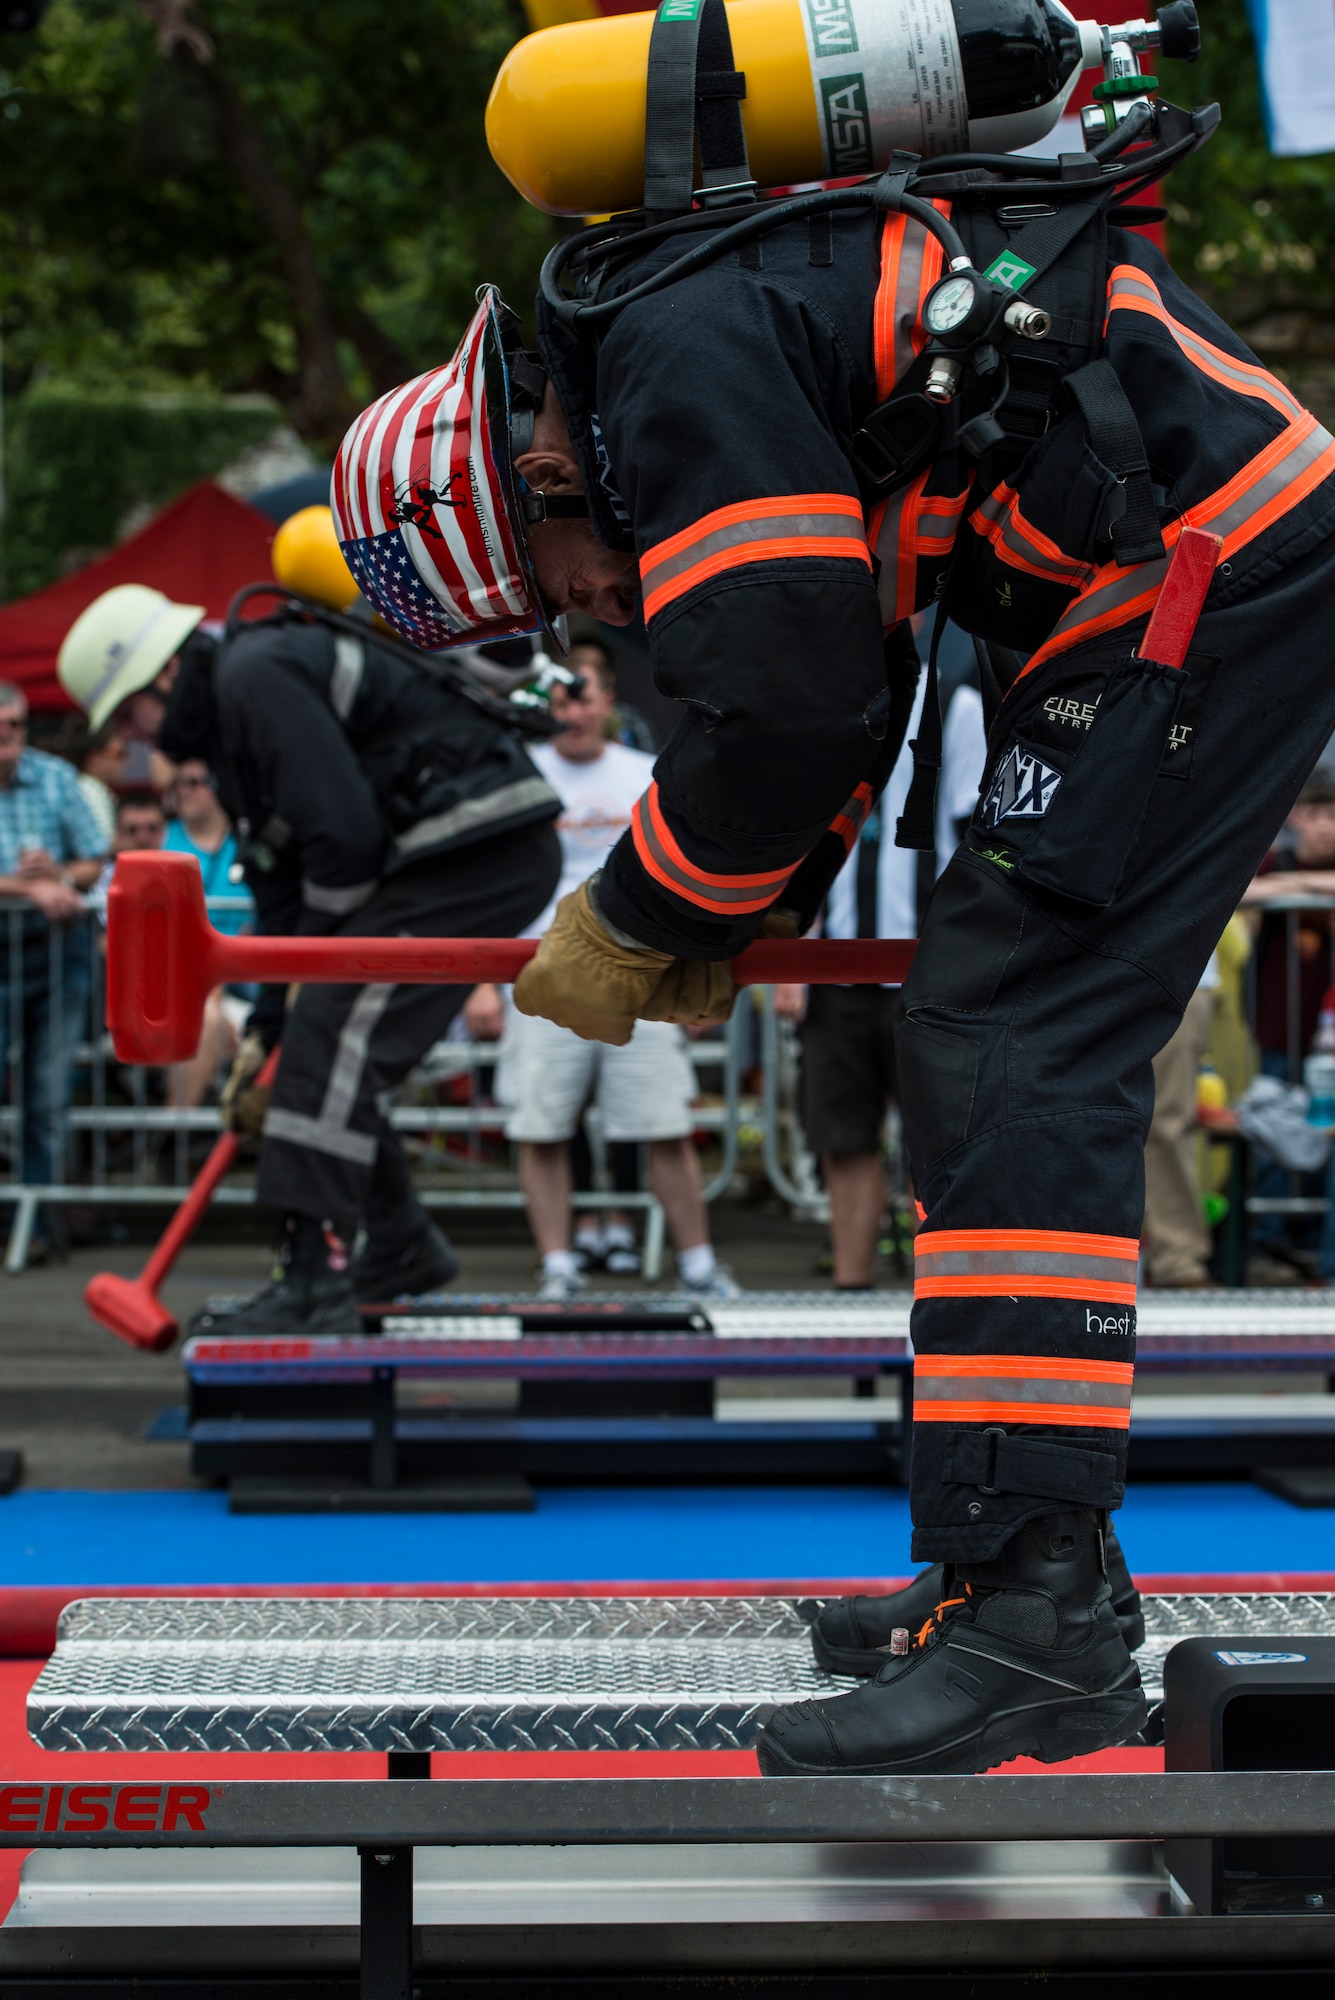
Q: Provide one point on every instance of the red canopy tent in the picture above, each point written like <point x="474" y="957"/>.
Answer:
<point x="201" y="549"/>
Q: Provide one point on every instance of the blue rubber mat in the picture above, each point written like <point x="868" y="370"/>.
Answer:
<point x="650" y="1534"/>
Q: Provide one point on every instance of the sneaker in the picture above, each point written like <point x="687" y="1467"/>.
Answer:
<point x="623" y="1261"/>
<point x="559" y="1287"/>
<point x="719" y="1286"/>
<point x="427" y="1262"/>
<point x="588" y="1248"/>
<point x="1026" y="1660"/>
<point x="855" y="1635"/>
<point x="311" y="1291"/>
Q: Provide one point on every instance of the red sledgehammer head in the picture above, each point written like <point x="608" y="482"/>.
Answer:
<point x="129" y="1308"/>
<point x="161" y="957"/>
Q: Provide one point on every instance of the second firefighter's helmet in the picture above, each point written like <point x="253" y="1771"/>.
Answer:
<point x="427" y="503"/>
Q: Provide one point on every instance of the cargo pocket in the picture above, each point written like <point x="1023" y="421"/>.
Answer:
<point x="1097" y="806"/>
<point x="938" y="1076"/>
<point x="973" y="929"/>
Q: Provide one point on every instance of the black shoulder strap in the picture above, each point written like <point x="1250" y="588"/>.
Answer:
<point x="1115" y="436"/>
<point x="917" y="826"/>
<point x="694" y="93"/>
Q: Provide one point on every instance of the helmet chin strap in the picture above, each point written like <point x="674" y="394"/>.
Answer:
<point x="554" y="507"/>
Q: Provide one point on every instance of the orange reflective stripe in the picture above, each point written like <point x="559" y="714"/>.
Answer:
<point x="1130" y="290"/>
<point x="906" y="525"/>
<point x="1069" y="1242"/>
<point x="1022" y="1367"/>
<point x="662" y="856"/>
<point x="1025" y="1263"/>
<point x="999" y="520"/>
<point x="1027" y="1285"/>
<point x="770" y="530"/>
<point x="1066" y="1414"/>
<point x="911" y="263"/>
<point x="1022" y="1388"/>
<point x="1268" y="487"/>
<point x="849" y="822"/>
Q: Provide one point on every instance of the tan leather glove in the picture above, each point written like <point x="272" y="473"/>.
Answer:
<point x="691" y="991"/>
<point x="243" y="1102"/>
<point x="583" y="979"/>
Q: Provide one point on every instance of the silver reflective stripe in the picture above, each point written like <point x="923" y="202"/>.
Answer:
<point x="726" y="893"/>
<point x="299" y="1130"/>
<point x="1028" y="1263"/>
<point x="337" y="902"/>
<point x="330" y="1132"/>
<point x="346" y="679"/>
<point x="1249" y="380"/>
<point x="524" y="795"/>
<point x="1010" y="1389"/>
<point x="350" y="1061"/>
<point x="738" y="536"/>
<point x="995" y="520"/>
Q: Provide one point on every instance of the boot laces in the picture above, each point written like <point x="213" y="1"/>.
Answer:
<point x="926" y="1633"/>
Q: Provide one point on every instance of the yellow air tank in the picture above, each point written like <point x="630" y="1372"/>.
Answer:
<point x="833" y="87"/>
<point x="308" y="560"/>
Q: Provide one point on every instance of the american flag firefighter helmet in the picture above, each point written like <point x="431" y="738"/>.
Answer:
<point x="427" y="504"/>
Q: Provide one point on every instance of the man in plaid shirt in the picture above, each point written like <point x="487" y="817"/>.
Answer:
<point x="51" y="849"/>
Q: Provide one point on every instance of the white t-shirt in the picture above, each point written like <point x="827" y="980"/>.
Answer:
<point x="963" y="755"/>
<point x="596" y="800"/>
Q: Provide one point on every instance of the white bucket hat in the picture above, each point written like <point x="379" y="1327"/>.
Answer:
<point x="120" y="644"/>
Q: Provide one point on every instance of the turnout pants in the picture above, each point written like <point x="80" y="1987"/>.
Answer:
<point x="329" y="1150"/>
<point x="1117" y="828"/>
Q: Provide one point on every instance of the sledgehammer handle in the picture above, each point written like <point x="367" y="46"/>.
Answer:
<point x="183" y="1224"/>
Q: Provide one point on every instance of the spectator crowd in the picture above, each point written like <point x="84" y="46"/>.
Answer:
<point x="578" y="1113"/>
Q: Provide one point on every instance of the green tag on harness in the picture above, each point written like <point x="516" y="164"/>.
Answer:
<point x="680" y="10"/>
<point x="1009" y="270"/>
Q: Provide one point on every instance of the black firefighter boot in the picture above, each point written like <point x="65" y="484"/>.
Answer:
<point x="1027" y="1661"/>
<point x="856" y="1635"/>
<point x="310" y="1291"/>
<point x="404" y="1254"/>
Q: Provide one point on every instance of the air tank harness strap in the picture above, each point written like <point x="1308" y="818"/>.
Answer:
<point x="916" y="827"/>
<point x="904" y="433"/>
<point x="1115" y="437"/>
<point x="694" y="95"/>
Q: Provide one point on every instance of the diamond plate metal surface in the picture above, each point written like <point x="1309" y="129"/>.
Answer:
<point x="480" y="1673"/>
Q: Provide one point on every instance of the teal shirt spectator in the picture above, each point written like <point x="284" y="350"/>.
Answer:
<point x="222" y="876"/>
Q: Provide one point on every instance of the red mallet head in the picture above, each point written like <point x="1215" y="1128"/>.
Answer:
<point x="162" y="957"/>
<point x="130" y="1309"/>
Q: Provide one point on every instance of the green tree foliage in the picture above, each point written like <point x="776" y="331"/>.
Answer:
<point x="1254" y="234"/>
<point x="289" y="198"/>
<point x="84" y="462"/>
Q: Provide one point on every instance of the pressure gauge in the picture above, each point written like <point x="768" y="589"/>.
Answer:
<point x="959" y="308"/>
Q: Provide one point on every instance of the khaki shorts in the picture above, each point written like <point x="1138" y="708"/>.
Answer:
<point x="548" y="1074"/>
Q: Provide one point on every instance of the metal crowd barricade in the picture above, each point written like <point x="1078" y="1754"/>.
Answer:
<point x="1292" y="909"/>
<point x="123" y="1146"/>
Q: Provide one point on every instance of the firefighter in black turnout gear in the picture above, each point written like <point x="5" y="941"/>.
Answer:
<point x="373" y="797"/>
<point x="964" y="382"/>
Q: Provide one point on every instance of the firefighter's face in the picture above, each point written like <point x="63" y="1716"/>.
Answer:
<point x="576" y="573"/>
<point x="574" y="570"/>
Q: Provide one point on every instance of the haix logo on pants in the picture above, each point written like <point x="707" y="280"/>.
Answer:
<point x="1023" y="788"/>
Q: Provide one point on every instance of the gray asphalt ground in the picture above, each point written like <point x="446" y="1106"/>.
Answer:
<point x="77" y="1402"/>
